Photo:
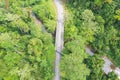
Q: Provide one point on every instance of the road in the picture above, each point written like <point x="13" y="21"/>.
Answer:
<point x="59" y="41"/>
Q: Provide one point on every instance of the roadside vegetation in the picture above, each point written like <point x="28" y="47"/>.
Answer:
<point x="45" y="11"/>
<point x="28" y="53"/>
<point x="93" y="23"/>
<point x="24" y="50"/>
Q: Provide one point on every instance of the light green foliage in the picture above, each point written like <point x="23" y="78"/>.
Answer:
<point x="117" y="16"/>
<point x="73" y="62"/>
<point x="35" y="47"/>
<point x="70" y="29"/>
<point x="99" y="19"/>
<point x="87" y="15"/>
<point x="35" y="30"/>
<point x="71" y="32"/>
<point x="22" y="26"/>
<point x="88" y="27"/>
<point x="11" y="17"/>
<point x="72" y="66"/>
<point x="97" y="22"/>
<point x="5" y="41"/>
<point x="11" y="60"/>
<point x="24" y="50"/>
<point x="25" y="72"/>
<point x="45" y="11"/>
<point x="109" y="1"/>
<point x="99" y="2"/>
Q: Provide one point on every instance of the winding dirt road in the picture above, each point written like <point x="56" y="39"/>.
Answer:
<point x="59" y="41"/>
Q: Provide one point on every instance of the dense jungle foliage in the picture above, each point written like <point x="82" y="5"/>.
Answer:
<point x="24" y="50"/>
<point x="93" y="23"/>
<point x="28" y="53"/>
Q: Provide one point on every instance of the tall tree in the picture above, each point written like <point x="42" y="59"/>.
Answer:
<point x="72" y="66"/>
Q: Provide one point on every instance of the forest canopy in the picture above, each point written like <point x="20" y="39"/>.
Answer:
<point x="95" y="24"/>
<point x="27" y="47"/>
<point x="24" y="50"/>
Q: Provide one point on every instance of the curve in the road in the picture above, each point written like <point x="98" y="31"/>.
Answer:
<point x="59" y="36"/>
